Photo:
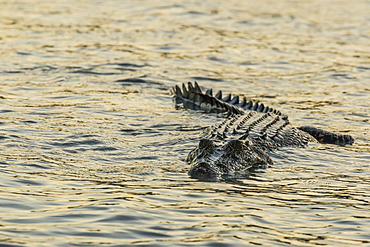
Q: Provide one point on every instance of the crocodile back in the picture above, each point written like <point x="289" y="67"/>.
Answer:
<point x="269" y="130"/>
<point x="252" y="119"/>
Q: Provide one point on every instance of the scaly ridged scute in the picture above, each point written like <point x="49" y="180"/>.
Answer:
<point x="242" y="141"/>
<point x="193" y="98"/>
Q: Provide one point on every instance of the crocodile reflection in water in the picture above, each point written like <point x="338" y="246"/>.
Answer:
<point x="243" y="140"/>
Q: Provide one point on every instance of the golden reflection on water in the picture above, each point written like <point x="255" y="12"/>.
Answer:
<point x="93" y="149"/>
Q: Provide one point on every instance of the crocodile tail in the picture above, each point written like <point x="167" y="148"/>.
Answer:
<point x="327" y="137"/>
<point x="245" y="103"/>
<point x="192" y="97"/>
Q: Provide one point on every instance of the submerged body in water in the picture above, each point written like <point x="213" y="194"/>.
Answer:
<point x="241" y="142"/>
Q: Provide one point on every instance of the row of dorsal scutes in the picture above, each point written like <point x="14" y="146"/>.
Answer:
<point x="193" y="98"/>
<point x="245" y="104"/>
<point x="184" y="92"/>
<point x="269" y="129"/>
<point x="245" y="125"/>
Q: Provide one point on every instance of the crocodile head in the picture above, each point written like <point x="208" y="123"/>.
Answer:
<point x="213" y="159"/>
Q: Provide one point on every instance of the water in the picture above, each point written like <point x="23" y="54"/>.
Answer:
<point x="92" y="148"/>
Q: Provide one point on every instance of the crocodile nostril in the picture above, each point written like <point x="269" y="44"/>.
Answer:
<point x="202" y="168"/>
<point x="204" y="172"/>
<point x="199" y="170"/>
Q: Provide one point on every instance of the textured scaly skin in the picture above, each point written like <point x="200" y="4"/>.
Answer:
<point x="242" y="141"/>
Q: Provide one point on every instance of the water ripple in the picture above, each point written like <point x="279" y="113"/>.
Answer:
<point x="93" y="148"/>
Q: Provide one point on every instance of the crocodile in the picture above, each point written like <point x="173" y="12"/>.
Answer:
<point x="244" y="141"/>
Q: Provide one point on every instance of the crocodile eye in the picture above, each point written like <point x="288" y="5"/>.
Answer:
<point x="205" y="144"/>
<point x="234" y="146"/>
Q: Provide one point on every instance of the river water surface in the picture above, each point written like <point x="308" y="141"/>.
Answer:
<point x="92" y="148"/>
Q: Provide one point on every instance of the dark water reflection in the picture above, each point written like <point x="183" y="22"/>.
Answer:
<point x="92" y="148"/>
